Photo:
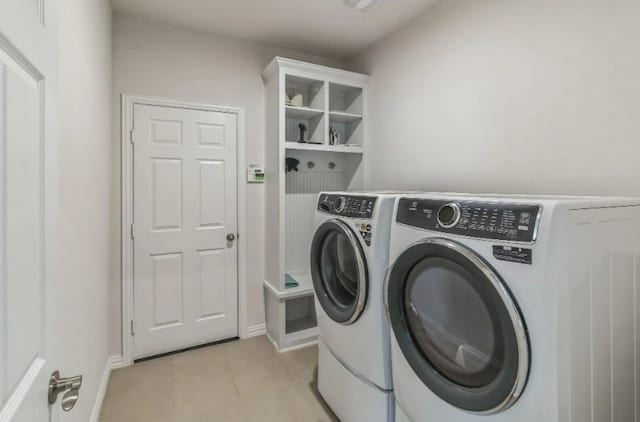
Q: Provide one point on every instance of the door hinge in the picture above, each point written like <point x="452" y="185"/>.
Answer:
<point x="133" y="231"/>
<point x="131" y="136"/>
<point x="133" y="331"/>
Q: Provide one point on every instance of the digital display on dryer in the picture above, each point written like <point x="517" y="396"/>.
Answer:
<point x="485" y="220"/>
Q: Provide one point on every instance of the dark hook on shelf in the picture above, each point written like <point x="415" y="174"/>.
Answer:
<point x="291" y="164"/>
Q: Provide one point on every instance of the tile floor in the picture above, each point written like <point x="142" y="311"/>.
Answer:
<point x="237" y="381"/>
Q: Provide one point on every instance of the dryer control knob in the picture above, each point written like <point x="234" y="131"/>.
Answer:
<point x="449" y="215"/>
<point x="340" y="204"/>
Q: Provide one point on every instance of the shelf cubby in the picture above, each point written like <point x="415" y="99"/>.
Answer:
<point x="349" y="130"/>
<point x="300" y="314"/>
<point x="311" y="90"/>
<point x="346" y="99"/>
<point x="311" y="119"/>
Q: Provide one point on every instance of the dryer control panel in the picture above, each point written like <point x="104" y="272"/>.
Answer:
<point x="347" y="205"/>
<point x="485" y="220"/>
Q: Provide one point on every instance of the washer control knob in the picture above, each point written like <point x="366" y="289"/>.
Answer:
<point x="449" y="215"/>
<point x="340" y="204"/>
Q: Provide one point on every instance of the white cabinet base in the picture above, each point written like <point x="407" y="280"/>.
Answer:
<point x="291" y="318"/>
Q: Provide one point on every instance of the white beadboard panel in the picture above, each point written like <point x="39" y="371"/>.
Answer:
<point x="302" y="191"/>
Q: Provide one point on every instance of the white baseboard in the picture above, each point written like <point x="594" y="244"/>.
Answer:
<point x="273" y="342"/>
<point x="113" y="362"/>
<point x="292" y="348"/>
<point x="256" y="330"/>
<point x="116" y="362"/>
<point x="298" y="346"/>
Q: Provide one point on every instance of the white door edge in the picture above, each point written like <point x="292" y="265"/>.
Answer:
<point x="126" y="169"/>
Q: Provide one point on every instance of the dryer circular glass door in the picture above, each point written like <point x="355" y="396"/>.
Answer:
<point x="458" y="326"/>
<point x="339" y="271"/>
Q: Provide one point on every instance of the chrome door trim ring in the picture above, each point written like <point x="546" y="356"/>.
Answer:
<point x="361" y="268"/>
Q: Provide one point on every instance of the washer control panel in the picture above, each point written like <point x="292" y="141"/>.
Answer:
<point x="485" y="220"/>
<point x="347" y="205"/>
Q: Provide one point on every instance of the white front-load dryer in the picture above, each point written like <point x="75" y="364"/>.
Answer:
<point x="515" y="308"/>
<point x="349" y="257"/>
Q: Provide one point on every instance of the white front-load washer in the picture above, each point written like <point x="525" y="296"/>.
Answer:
<point x="515" y="308"/>
<point x="349" y="257"/>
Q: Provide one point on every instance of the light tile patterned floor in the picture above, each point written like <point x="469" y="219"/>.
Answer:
<point x="240" y="381"/>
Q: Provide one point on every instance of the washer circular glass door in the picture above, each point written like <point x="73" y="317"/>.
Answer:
<point x="339" y="271"/>
<point x="458" y="326"/>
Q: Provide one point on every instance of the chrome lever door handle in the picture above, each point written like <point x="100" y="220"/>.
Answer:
<point x="70" y="386"/>
<point x="231" y="237"/>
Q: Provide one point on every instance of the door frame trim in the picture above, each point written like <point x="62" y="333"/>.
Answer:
<point x="126" y="180"/>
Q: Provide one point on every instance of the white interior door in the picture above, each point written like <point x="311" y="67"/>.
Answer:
<point x="185" y="224"/>
<point x="27" y="107"/>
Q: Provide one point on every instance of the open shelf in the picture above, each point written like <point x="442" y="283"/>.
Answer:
<point x="302" y="113"/>
<point x="342" y="117"/>
<point x="353" y="149"/>
<point x="304" y="288"/>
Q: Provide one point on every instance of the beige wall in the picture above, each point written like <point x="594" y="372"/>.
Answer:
<point x="85" y="227"/>
<point x="158" y="60"/>
<point x="508" y="96"/>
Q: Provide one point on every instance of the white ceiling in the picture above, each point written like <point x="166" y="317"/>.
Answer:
<point x="319" y="27"/>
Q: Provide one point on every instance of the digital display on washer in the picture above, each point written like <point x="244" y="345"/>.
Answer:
<point x="486" y="220"/>
<point x="347" y="205"/>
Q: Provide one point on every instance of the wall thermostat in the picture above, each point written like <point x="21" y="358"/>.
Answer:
<point x="255" y="174"/>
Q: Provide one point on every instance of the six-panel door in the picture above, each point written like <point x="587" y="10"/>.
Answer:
<point x="27" y="138"/>
<point x="185" y="268"/>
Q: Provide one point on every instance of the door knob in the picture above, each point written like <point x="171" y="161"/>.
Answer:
<point x="59" y="385"/>
<point x="231" y="237"/>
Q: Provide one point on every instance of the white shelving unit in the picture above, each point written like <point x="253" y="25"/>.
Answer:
<point x="328" y="100"/>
